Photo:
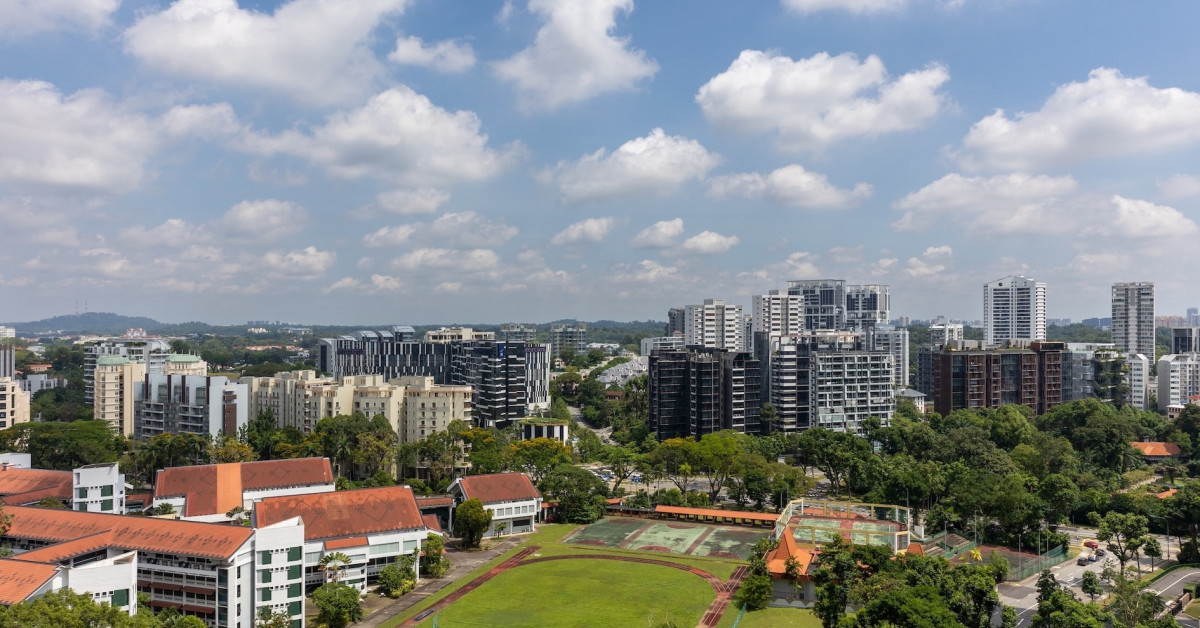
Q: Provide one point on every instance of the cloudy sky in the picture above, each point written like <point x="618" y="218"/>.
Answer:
<point x="417" y="161"/>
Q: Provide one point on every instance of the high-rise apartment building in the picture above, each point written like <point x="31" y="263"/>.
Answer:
<point x="1178" y="379"/>
<point x="777" y="313"/>
<point x="824" y="302"/>
<point x="990" y="378"/>
<point x="568" y="337"/>
<point x="1185" y="340"/>
<point x="135" y="346"/>
<point x="1139" y="380"/>
<point x="1133" y="317"/>
<point x="699" y="391"/>
<point x="1014" y="308"/>
<point x="8" y="361"/>
<point x="714" y="325"/>
<point x="14" y="403"/>
<point x="457" y="334"/>
<point x="829" y="379"/>
<point x="868" y="306"/>
<point x="518" y="332"/>
<point x="675" y="324"/>
<point x="940" y="333"/>
<point x="115" y="383"/>
<point x="7" y="332"/>
<point x="1193" y="316"/>
<point x="496" y="373"/>
<point x="893" y="340"/>
<point x="537" y="377"/>
<point x="189" y="404"/>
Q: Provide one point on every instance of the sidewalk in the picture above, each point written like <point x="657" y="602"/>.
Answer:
<point x="461" y="563"/>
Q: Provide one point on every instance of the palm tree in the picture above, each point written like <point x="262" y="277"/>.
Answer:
<point x="333" y="564"/>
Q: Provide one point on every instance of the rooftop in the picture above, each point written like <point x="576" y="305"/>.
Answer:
<point x="344" y="513"/>
<point x="217" y="488"/>
<point x="135" y="533"/>
<point x="1157" y="449"/>
<point x="499" y="487"/>
<point x="183" y="358"/>
<point x="26" y="486"/>
<point x="19" y="579"/>
<point x="777" y="558"/>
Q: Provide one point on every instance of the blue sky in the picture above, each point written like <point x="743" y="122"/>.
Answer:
<point x="345" y="161"/>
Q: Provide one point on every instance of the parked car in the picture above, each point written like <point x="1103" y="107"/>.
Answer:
<point x="1100" y="552"/>
<point x="1082" y="561"/>
<point x="1091" y="544"/>
<point x="1093" y="558"/>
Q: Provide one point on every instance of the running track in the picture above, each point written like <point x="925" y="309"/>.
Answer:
<point x="724" y="590"/>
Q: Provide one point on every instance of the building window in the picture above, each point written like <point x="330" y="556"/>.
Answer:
<point x="81" y="493"/>
<point x="294" y="572"/>
<point x="106" y="491"/>
<point x="294" y="553"/>
<point x="106" y="505"/>
<point x="264" y="558"/>
<point x="266" y="595"/>
<point x="264" y="576"/>
<point x="294" y="590"/>
<point x="295" y="608"/>
<point x="120" y="598"/>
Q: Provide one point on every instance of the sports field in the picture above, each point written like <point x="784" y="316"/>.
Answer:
<point x="581" y="593"/>
<point x="671" y="537"/>
<point x="812" y="529"/>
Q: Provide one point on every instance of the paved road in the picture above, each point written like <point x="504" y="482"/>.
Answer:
<point x="1171" y="585"/>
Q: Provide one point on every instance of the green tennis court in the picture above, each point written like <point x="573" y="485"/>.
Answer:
<point x="673" y="537"/>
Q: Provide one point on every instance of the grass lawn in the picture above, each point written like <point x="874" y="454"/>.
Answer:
<point x="1193" y="609"/>
<point x="582" y="594"/>
<point x="771" y="618"/>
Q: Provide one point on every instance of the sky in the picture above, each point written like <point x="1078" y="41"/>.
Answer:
<point x="424" y="161"/>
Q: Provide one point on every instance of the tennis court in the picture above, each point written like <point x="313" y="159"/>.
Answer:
<point x="815" y="530"/>
<point x="671" y="537"/>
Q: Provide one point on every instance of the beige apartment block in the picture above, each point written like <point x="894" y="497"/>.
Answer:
<point x="14" y="403"/>
<point x="430" y="407"/>
<point x="184" y="364"/>
<point x="457" y="334"/>
<point x="115" y="381"/>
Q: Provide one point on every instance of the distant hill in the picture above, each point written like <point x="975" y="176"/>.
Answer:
<point x="102" y="323"/>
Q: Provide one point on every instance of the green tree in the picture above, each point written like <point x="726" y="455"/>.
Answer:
<point x="717" y="458"/>
<point x="675" y="460"/>
<point x="267" y="619"/>
<point x="433" y="560"/>
<point x="398" y="578"/>
<point x="334" y="565"/>
<point x="834" y="453"/>
<point x="1125" y="534"/>
<point x="756" y="591"/>
<point x="538" y="456"/>
<point x="339" y="604"/>
<point x="229" y="449"/>
<point x="471" y="522"/>
<point x="581" y="496"/>
<point x="63" y="609"/>
<point x="1090" y="585"/>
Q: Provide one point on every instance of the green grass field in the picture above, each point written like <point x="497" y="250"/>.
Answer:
<point x="583" y="594"/>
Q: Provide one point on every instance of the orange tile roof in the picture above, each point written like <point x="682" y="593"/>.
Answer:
<point x="499" y="487"/>
<point x="1167" y="493"/>
<point x="777" y="558"/>
<point x="70" y="549"/>
<point x="710" y="512"/>
<point x="20" y="579"/>
<point x="217" y="488"/>
<point x="27" y="486"/>
<point x="434" y="501"/>
<point x="431" y="522"/>
<point x="344" y="513"/>
<point x="354" y="541"/>
<point x="1157" y="449"/>
<point x="189" y="538"/>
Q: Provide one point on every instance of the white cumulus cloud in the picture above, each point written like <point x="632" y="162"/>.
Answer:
<point x="1180" y="186"/>
<point x="790" y="186"/>
<point x="1108" y="115"/>
<point x="589" y="230"/>
<point x="410" y="202"/>
<point x="1010" y="203"/>
<point x="709" y="243"/>
<point x="656" y="164"/>
<point x="306" y="263"/>
<point x="575" y="56"/>
<point x="316" y="50"/>
<point x="659" y="235"/>
<point x="263" y="220"/>
<point x="1143" y="219"/>
<point x="811" y="103"/>
<point x="398" y="135"/>
<point x="443" y="56"/>
<point x="389" y="236"/>
<point x="472" y="261"/>
<point x="22" y="18"/>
